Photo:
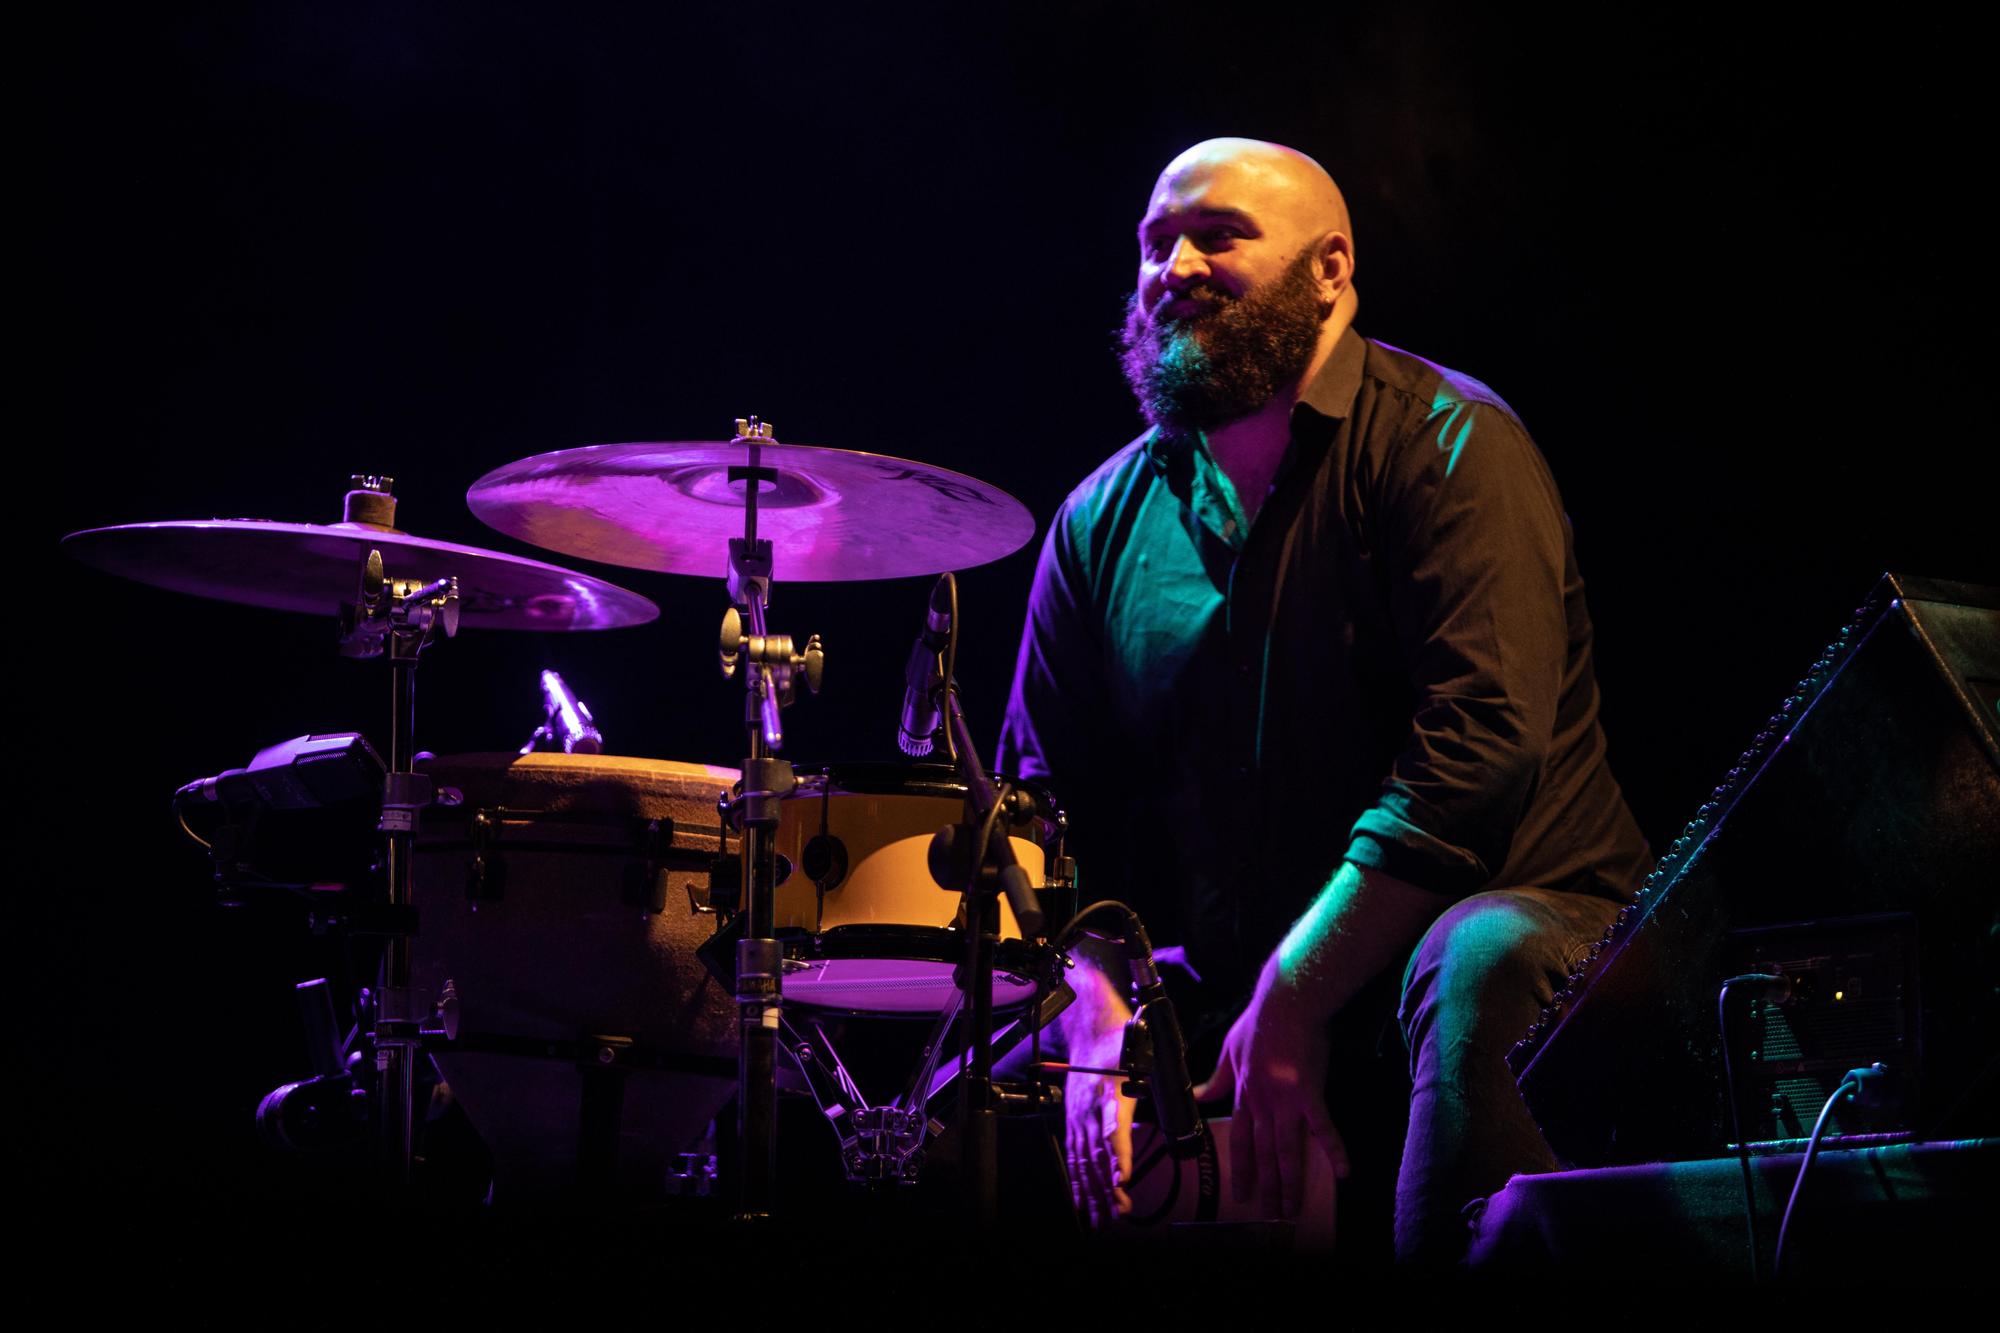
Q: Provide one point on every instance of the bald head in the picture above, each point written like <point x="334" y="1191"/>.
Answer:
<point x="1289" y="189"/>
<point x="1231" y="217"/>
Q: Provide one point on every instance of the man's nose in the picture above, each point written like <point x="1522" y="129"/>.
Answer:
<point x="1186" y="265"/>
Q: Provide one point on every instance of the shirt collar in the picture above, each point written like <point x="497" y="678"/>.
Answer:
<point x="1332" y="392"/>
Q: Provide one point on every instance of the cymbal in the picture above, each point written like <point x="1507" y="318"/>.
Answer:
<point x="832" y="515"/>
<point x="316" y="568"/>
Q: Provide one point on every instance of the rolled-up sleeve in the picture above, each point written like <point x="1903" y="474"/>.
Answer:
<point x="1471" y="535"/>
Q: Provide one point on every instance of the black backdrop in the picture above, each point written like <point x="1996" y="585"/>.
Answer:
<point x="1718" y="263"/>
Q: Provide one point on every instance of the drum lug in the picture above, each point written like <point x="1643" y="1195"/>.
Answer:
<point x="445" y="1011"/>
<point x="646" y="881"/>
<point x="725" y="888"/>
<point x="485" y="877"/>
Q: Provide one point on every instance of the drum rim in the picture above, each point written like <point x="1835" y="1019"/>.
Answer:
<point x="873" y="939"/>
<point x="878" y="777"/>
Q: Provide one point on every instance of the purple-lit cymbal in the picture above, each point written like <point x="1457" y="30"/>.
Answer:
<point x="316" y="568"/>
<point x="832" y="515"/>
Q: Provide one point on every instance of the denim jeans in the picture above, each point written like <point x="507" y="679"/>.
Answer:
<point x="1475" y="983"/>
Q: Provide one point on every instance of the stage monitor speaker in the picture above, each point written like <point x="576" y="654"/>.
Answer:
<point x="1873" y="793"/>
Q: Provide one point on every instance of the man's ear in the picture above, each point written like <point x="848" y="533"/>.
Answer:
<point x="1336" y="263"/>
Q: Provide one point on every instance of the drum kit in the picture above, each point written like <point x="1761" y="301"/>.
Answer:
<point x="597" y="953"/>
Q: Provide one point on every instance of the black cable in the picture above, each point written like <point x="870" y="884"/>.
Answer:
<point x="1061" y="937"/>
<point x="1735" y="1118"/>
<point x="181" y="815"/>
<point x="1850" y="1083"/>
<point x="1140" y="1171"/>
<point x="1001" y="791"/>
<point x="950" y="675"/>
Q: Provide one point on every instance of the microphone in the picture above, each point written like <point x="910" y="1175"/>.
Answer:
<point x="923" y="676"/>
<point x="1173" y="1091"/>
<point x="568" y="720"/>
<point x="304" y="773"/>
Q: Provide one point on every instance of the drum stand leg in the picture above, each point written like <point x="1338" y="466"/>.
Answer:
<point x="599" y="1122"/>
<point x="877" y="1143"/>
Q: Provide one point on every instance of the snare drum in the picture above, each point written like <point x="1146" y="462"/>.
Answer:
<point x="556" y="894"/>
<point x="871" y="931"/>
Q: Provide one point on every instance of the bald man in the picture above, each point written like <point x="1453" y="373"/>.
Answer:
<point x="1309" y="663"/>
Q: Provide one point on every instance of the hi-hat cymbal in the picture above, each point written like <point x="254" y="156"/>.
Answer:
<point x="316" y="568"/>
<point x="832" y="515"/>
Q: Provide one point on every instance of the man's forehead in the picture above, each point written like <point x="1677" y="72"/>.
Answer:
<point x="1210" y="185"/>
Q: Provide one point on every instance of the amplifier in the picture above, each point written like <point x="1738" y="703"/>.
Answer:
<point x="1874" y="792"/>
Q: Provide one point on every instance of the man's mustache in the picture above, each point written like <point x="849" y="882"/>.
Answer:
<point x="1210" y="301"/>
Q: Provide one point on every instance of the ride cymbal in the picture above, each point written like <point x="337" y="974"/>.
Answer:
<point x="831" y="515"/>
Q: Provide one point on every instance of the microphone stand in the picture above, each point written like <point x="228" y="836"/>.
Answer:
<point x="986" y="869"/>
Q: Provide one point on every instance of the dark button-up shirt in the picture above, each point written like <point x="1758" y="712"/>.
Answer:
<point x="1390" y="664"/>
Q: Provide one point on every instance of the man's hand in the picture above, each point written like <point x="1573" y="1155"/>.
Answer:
<point x="1100" y="1137"/>
<point x="1275" y="1056"/>
<point x="1098" y="1119"/>
<point x="1274" y="1065"/>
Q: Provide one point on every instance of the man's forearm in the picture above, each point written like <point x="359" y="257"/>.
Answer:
<point x="1362" y="922"/>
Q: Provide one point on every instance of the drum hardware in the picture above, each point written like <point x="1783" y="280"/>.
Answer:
<point x="877" y="1143"/>
<point x="694" y="1176"/>
<point x="666" y="507"/>
<point x="566" y="722"/>
<point x="392" y="594"/>
<point x="314" y="1114"/>
<point x="486" y="875"/>
<point x="884" y="1143"/>
<point x="331" y="1108"/>
<point x="396" y="620"/>
<point x="328" y="1108"/>
<point x="983" y="870"/>
<point x="723" y="896"/>
<point x="770" y="668"/>
<point x="873" y="937"/>
<point x="494" y="831"/>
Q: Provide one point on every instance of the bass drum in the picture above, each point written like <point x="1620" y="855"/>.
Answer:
<point x="872" y="933"/>
<point x="556" y="897"/>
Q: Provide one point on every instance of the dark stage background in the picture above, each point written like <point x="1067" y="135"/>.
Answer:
<point x="1720" y="264"/>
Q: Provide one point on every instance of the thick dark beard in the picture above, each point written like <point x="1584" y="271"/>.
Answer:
<point x="1227" y="361"/>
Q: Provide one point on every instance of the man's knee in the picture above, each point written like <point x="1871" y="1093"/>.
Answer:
<point x="1486" y="956"/>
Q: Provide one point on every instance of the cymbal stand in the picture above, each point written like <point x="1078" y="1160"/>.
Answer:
<point x="397" y="619"/>
<point x="770" y="669"/>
